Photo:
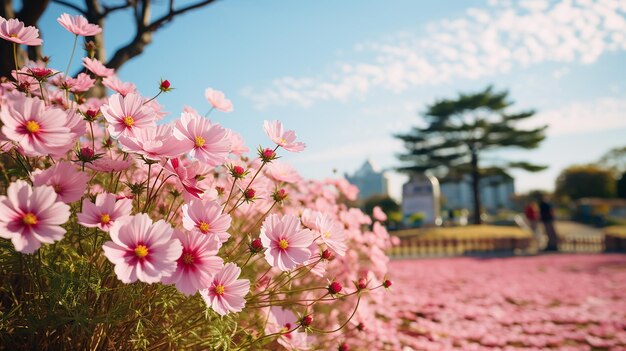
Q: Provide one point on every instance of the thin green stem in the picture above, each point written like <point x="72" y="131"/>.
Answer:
<point x="69" y="63"/>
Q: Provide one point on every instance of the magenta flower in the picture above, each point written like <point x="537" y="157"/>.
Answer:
<point x="206" y="218"/>
<point x="78" y="25"/>
<point x="285" y="139"/>
<point x="80" y="84"/>
<point x="209" y="143"/>
<point x="226" y="293"/>
<point x="31" y="216"/>
<point x="286" y="242"/>
<point x="153" y="142"/>
<point x="67" y="181"/>
<point x="126" y="113"/>
<point x="35" y="128"/>
<point x="105" y="212"/>
<point x="198" y="263"/>
<point x="106" y="165"/>
<point x="114" y="83"/>
<point x="217" y="99"/>
<point x="96" y="67"/>
<point x="142" y="250"/>
<point x="14" y="31"/>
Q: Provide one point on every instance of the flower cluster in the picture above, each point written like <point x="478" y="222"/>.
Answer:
<point x="170" y="223"/>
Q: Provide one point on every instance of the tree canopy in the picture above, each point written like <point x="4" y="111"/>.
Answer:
<point x="458" y="131"/>
<point x="581" y="181"/>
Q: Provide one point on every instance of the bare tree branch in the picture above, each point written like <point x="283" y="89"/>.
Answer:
<point x="107" y="10"/>
<point x="70" y="5"/>
<point x="172" y="13"/>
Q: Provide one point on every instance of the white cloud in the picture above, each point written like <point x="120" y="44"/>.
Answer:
<point x="482" y="42"/>
<point x="584" y="117"/>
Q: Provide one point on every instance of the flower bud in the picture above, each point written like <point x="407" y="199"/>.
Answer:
<point x="220" y="190"/>
<point x="362" y="283"/>
<point x="267" y="155"/>
<point x="334" y="288"/>
<point x="92" y="115"/>
<point x="279" y="195"/>
<point x="164" y="86"/>
<point x="306" y="320"/>
<point x="327" y="255"/>
<point x="256" y="246"/>
<point x="249" y="194"/>
<point x="90" y="47"/>
<point x="237" y="172"/>
<point x="360" y="327"/>
<point x="343" y="347"/>
<point x="387" y="283"/>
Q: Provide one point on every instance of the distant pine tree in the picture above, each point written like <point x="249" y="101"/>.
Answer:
<point x="459" y="130"/>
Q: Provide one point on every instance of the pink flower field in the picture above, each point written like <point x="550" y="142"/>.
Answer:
<point x="555" y="302"/>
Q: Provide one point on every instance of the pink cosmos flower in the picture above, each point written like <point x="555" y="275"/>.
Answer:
<point x="68" y="182"/>
<point x="198" y="263"/>
<point x="14" y="31"/>
<point x="226" y="293"/>
<point x="286" y="242"/>
<point x="106" y="165"/>
<point x="332" y="234"/>
<point x="80" y="84"/>
<point x="217" y="99"/>
<point x="142" y="250"/>
<point x="126" y="113"/>
<point x="105" y="212"/>
<point x="286" y="139"/>
<point x="114" y="83"/>
<point x="31" y="216"/>
<point x="78" y="25"/>
<point x="186" y="175"/>
<point x="285" y="321"/>
<point x="153" y="142"/>
<point x="207" y="142"/>
<point x="378" y="214"/>
<point x="237" y="146"/>
<point x="96" y="67"/>
<point x="206" y="218"/>
<point x="35" y="128"/>
<point x="283" y="172"/>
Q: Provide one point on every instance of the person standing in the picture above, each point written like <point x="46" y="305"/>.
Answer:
<point x="546" y="213"/>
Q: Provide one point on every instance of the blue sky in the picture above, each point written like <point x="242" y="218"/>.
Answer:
<point x="346" y="75"/>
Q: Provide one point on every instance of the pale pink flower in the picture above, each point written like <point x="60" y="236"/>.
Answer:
<point x="237" y="146"/>
<point x="153" y="142"/>
<point x="286" y="242"/>
<point x="206" y="217"/>
<point x="332" y="234"/>
<point x="115" y="84"/>
<point x="31" y="216"/>
<point x="142" y="250"/>
<point x="198" y="263"/>
<point x="226" y="293"/>
<point x="283" y="172"/>
<point x="35" y="128"/>
<point x="205" y="141"/>
<point x="285" y="139"/>
<point x="68" y="182"/>
<point x="186" y="175"/>
<point x="105" y="164"/>
<point x="14" y="31"/>
<point x="105" y="212"/>
<point x="126" y="113"/>
<point x="286" y="322"/>
<point x="379" y="214"/>
<point x="80" y="84"/>
<point x="96" y="67"/>
<point x="78" y="25"/>
<point x="217" y="99"/>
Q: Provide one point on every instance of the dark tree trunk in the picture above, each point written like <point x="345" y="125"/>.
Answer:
<point x="476" y="187"/>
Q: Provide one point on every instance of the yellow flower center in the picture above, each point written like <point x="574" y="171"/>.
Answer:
<point x="13" y="35"/>
<point x="187" y="258"/>
<point x="29" y="219"/>
<point x="141" y="251"/>
<point x="283" y="244"/>
<point x="204" y="227"/>
<point x="32" y="126"/>
<point x="220" y="289"/>
<point x="129" y="121"/>
<point x="105" y="218"/>
<point x="327" y="234"/>
<point x="200" y="141"/>
<point x="282" y="141"/>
